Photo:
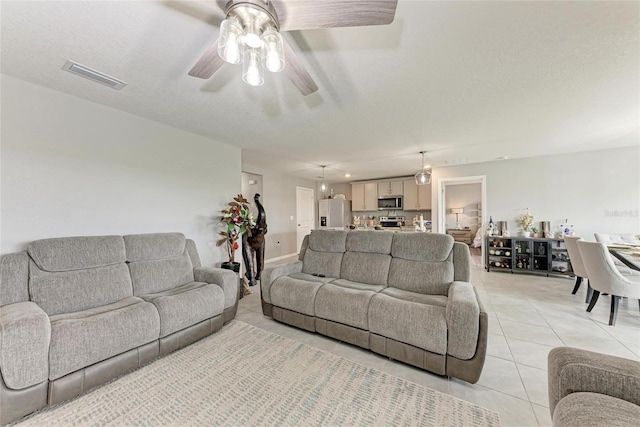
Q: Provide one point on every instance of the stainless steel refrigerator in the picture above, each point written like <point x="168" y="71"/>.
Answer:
<point x="334" y="213"/>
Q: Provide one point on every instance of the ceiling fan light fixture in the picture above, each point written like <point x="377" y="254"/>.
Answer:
<point x="252" y="67"/>
<point x="252" y="34"/>
<point x="423" y="177"/>
<point x="230" y="44"/>
<point x="273" y="47"/>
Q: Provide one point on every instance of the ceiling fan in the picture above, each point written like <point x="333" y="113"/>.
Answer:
<point x="250" y="34"/>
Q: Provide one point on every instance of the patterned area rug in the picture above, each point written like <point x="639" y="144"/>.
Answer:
<point x="245" y="376"/>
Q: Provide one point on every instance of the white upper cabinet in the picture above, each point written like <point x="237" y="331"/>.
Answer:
<point x="390" y="188"/>
<point x="416" y="197"/>
<point x="364" y="197"/>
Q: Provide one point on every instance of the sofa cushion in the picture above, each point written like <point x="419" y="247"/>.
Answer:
<point x="344" y="305"/>
<point x="311" y="278"/>
<point x="420" y="325"/>
<point x="424" y="277"/>
<point x="78" y="290"/>
<point x="144" y="247"/>
<point x="226" y="279"/>
<point x="326" y="263"/>
<point x="295" y="294"/>
<point x="438" y="300"/>
<point x="327" y="240"/>
<point x="586" y="409"/>
<point x="77" y="253"/>
<point x="186" y="305"/>
<point x="431" y="247"/>
<point x="377" y="242"/>
<point x="14" y="278"/>
<point x="83" y="338"/>
<point x="364" y="267"/>
<point x="25" y="332"/>
<point x="159" y="275"/>
<point x="358" y="285"/>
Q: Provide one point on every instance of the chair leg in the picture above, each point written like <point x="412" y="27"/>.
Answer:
<point x="594" y="299"/>
<point x="589" y="293"/>
<point x="615" y="300"/>
<point x="577" y="286"/>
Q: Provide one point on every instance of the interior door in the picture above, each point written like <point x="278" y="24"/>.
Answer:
<point x="305" y="213"/>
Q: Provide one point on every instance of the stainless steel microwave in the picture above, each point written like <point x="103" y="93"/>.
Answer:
<point x="390" y="203"/>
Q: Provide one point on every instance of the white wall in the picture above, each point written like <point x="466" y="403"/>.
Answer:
<point x="73" y="167"/>
<point x="597" y="191"/>
<point x="279" y="201"/>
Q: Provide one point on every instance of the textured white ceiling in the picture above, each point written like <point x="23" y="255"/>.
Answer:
<point x="466" y="81"/>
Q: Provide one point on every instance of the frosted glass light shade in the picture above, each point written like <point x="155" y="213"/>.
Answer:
<point x="230" y="43"/>
<point x="273" y="50"/>
<point x="423" y="178"/>
<point x="252" y="68"/>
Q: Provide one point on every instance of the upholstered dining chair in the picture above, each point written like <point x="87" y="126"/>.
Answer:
<point x="577" y="265"/>
<point x="604" y="277"/>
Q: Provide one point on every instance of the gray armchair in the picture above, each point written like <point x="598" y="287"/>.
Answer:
<point x="588" y="389"/>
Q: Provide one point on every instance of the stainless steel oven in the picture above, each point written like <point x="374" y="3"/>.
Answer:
<point x="390" y="203"/>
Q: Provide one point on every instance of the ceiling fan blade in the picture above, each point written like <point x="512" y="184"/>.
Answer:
<point x="208" y="64"/>
<point x="313" y="14"/>
<point x="297" y="73"/>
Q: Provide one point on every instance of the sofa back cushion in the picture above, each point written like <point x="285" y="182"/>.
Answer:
<point x="324" y="253"/>
<point x="78" y="273"/>
<point x="14" y="278"/>
<point x="368" y="257"/>
<point x="158" y="262"/>
<point x="422" y="263"/>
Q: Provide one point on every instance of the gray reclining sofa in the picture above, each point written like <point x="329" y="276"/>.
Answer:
<point x="76" y="312"/>
<point x="403" y="295"/>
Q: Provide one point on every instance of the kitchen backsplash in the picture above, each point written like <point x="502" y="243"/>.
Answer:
<point x="408" y="215"/>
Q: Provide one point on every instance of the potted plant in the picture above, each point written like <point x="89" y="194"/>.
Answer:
<point x="526" y="221"/>
<point x="237" y="219"/>
<point x="534" y="230"/>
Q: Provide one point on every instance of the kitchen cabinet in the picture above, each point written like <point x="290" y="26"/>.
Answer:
<point x="364" y="197"/>
<point x="390" y="188"/>
<point x="416" y="197"/>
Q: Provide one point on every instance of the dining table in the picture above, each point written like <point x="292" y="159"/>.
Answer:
<point x="628" y="254"/>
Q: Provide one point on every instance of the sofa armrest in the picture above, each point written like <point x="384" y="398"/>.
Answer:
<point x="271" y="274"/>
<point x="226" y="279"/>
<point x="463" y="320"/>
<point x="25" y="334"/>
<point x="574" y="370"/>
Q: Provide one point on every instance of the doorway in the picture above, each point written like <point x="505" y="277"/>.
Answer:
<point x="468" y="197"/>
<point x="305" y="213"/>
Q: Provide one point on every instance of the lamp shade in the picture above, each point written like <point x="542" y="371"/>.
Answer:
<point x="457" y="210"/>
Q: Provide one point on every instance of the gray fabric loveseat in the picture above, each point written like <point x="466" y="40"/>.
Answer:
<point x="76" y="312"/>
<point x="588" y="389"/>
<point x="403" y="295"/>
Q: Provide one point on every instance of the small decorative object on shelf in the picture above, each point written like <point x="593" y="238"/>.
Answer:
<point x="534" y="231"/>
<point x="526" y="221"/>
<point x="491" y="227"/>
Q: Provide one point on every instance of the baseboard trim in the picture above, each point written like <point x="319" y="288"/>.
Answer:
<point x="278" y="258"/>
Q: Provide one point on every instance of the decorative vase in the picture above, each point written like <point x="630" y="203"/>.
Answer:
<point x="535" y="235"/>
<point x="235" y="266"/>
<point x="527" y="233"/>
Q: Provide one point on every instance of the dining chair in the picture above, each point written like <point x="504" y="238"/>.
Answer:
<point x="604" y="277"/>
<point x="577" y="265"/>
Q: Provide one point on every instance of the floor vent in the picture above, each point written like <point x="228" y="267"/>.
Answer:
<point x="94" y="75"/>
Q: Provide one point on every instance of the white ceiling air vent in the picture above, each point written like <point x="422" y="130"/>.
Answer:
<point x="94" y="75"/>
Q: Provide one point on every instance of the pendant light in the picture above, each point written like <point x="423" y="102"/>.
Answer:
<point x="323" y="186"/>
<point x="423" y="177"/>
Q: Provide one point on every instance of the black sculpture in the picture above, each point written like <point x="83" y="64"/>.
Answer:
<point x="255" y="244"/>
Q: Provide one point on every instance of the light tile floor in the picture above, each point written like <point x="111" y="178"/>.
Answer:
<point x="528" y="316"/>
